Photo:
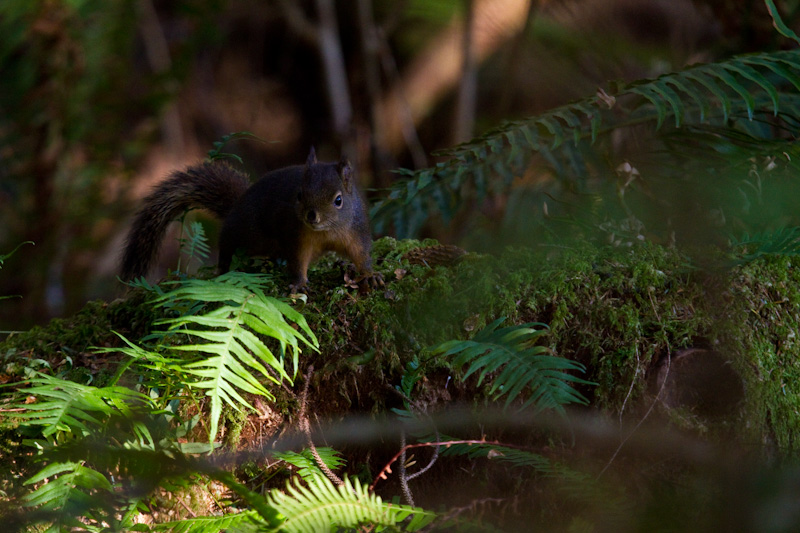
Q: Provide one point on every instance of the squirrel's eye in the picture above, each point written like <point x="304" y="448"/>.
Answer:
<point x="338" y="200"/>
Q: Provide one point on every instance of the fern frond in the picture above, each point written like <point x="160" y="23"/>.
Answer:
<point x="217" y="153"/>
<point x="307" y="467"/>
<point x="246" y="521"/>
<point x="67" y="491"/>
<point x="194" y="244"/>
<point x="3" y="257"/>
<point x="782" y="242"/>
<point x="234" y="357"/>
<point x="781" y="26"/>
<point x="325" y="507"/>
<point x="743" y="86"/>
<point x="66" y="406"/>
<point x="521" y="365"/>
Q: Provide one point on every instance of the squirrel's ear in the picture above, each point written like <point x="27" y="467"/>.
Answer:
<point x="346" y="172"/>
<point x="312" y="157"/>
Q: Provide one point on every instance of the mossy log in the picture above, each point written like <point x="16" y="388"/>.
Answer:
<point x="715" y="349"/>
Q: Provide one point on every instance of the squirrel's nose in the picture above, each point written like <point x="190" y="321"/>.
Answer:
<point x="311" y="216"/>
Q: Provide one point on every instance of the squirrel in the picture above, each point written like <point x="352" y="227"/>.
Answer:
<point x="294" y="213"/>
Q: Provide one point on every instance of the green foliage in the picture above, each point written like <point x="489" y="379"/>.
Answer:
<point x="217" y="153"/>
<point x="233" y="522"/>
<point x="323" y="506"/>
<point x="3" y="257"/>
<point x="521" y="364"/>
<point x="230" y="356"/>
<point x="71" y="489"/>
<point x="194" y="244"/>
<point x="567" y="139"/>
<point x="307" y="467"/>
<point x="69" y="416"/>
<point x="66" y="407"/>
<point x="782" y="28"/>
<point x="781" y="242"/>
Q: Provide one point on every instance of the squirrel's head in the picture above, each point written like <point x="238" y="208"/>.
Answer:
<point x="327" y="194"/>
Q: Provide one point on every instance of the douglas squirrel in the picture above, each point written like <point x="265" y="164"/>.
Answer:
<point x="294" y="213"/>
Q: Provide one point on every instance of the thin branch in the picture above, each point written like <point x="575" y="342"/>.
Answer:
<point x="403" y="474"/>
<point x="401" y="107"/>
<point x="468" y="84"/>
<point x="156" y="50"/>
<point x="388" y="468"/>
<point x="433" y="460"/>
<point x="330" y="50"/>
<point x="512" y="59"/>
<point x="636" y="427"/>
<point x="305" y="427"/>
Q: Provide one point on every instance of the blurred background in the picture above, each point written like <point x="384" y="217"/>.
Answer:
<point x="101" y="99"/>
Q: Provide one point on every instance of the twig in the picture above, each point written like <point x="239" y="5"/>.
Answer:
<point x="408" y="128"/>
<point x="305" y="426"/>
<point x="630" y="389"/>
<point x="403" y="476"/>
<point x="188" y="509"/>
<point x="388" y="468"/>
<point x="468" y="83"/>
<point x="430" y="463"/>
<point x="435" y="456"/>
<point x="636" y="428"/>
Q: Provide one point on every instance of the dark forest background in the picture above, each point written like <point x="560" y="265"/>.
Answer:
<point x="100" y="99"/>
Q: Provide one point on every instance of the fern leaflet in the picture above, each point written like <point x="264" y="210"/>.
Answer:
<point x="234" y="356"/>
<point x="782" y="242"/>
<point x="244" y="521"/>
<point x="307" y="467"/>
<point x="325" y="507"/>
<point x="521" y="365"/>
<point x="68" y="490"/>
<point x="66" y="406"/>
<point x="743" y="86"/>
<point x="194" y="244"/>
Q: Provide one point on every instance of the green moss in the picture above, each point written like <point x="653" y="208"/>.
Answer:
<point x="73" y="340"/>
<point x="616" y="310"/>
<point x="234" y="422"/>
<point x="763" y="321"/>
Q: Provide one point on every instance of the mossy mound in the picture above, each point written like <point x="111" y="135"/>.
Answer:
<point x="622" y="312"/>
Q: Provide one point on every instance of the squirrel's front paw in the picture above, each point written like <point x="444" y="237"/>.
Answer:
<point x="372" y="280"/>
<point x="363" y="282"/>
<point x="299" y="287"/>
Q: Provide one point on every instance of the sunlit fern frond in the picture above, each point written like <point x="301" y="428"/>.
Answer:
<point x="307" y="467"/>
<point x="232" y="355"/>
<point x="324" y="506"/>
<point x="246" y="521"/>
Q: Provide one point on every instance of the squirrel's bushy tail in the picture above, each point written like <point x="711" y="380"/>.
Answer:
<point x="213" y="186"/>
